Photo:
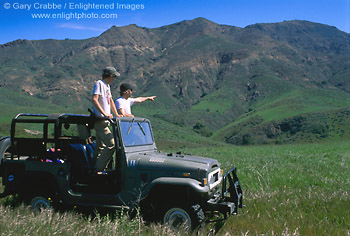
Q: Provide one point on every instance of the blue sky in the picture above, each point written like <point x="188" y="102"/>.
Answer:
<point x="18" y="22"/>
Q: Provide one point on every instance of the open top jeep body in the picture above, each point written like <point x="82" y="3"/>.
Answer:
<point x="48" y="162"/>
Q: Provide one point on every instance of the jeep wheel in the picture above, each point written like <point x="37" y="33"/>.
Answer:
<point x="40" y="203"/>
<point x="184" y="217"/>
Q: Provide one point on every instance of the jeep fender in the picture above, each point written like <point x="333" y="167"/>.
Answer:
<point x="185" y="182"/>
<point x="173" y="182"/>
<point x="166" y="192"/>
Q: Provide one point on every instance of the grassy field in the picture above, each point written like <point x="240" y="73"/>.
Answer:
<point x="300" y="189"/>
<point x="290" y="189"/>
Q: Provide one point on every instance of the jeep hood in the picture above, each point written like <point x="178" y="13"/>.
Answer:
<point x="164" y="161"/>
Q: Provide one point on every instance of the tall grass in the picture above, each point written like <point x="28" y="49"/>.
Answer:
<point x="288" y="190"/>
<point x="22" y="221"/>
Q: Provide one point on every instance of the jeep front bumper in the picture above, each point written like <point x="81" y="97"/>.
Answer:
<point x="231" y="196"/>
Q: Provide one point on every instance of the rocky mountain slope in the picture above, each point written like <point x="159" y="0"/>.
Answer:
<point x="213" y="78"/>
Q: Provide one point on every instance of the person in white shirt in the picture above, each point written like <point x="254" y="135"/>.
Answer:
<point x="103" y="105"/>
<point x="125" y="101"/>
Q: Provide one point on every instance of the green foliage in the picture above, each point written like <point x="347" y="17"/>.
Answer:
<point x="297" y="116"/>
<point x="201" y="129"/>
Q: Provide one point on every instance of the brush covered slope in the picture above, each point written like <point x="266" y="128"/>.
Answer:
<point x="264" y="83"/>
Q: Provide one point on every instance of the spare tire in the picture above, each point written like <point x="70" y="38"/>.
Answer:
<point x="5" y="143"/>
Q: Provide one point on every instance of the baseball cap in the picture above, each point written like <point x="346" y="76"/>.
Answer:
<point x="110" y="70"/>
<point x="125" y="87"/>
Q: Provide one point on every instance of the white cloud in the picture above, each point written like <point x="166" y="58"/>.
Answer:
<point x="82" y="27"/>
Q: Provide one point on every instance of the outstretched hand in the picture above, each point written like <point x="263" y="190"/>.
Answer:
<point x="152" y="98"/>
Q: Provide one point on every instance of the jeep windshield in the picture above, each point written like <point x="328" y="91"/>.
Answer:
<point x="136" y="133"/>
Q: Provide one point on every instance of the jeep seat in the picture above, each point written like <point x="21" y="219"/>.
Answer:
<point x="81" y="157"/>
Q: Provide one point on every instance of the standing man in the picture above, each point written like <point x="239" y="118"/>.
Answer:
<point x="103" y="105"/>
<point x="125" y="101"/>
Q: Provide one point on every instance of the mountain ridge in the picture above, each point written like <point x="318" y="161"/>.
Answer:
<point x="200" y="71"/>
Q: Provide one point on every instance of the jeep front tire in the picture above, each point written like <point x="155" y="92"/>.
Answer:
<point x="187" y="217"/>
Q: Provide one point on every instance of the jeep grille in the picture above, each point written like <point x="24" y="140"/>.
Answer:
<point x="214" y="178"/>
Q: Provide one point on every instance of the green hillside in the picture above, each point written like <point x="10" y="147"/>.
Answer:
<point x="296" y="116"/>
<point x="13" y="103"/>
<point x="265" y="83"/>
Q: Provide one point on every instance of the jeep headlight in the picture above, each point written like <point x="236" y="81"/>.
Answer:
<point x="214" y="178"/>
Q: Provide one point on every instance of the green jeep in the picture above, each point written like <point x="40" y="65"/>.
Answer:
<point x="48" y="162"/>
